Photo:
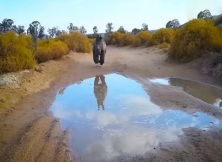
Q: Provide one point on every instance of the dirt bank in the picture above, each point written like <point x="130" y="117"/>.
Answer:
<point x="29" y="132"/>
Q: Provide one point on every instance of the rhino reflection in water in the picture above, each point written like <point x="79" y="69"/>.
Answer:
<point x="100" y="90"/>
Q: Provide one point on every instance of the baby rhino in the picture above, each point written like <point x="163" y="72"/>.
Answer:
<point x="99" y="50"/>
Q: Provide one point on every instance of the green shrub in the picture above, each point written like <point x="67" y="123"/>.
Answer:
<point x="50" y="49"/>
<point x="76" y="42"/>
<point x="194" y="39"/>
<point x="16" y="52"/>
<point x="163" y="35"/>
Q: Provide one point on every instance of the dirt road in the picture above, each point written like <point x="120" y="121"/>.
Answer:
<point x="29" y="132"/>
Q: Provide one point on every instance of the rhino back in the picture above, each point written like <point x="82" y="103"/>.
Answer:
<point x="101" y="43"/>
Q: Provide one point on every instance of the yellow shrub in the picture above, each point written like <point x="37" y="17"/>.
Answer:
<point x="113" y="41"/>
<point x="50" y="49"/>
<point x="30" y="44"/>
<point x="219" y="27"/>
<point x="116" y="36"/>
<point x="194" y="24"/>
<point x="76" y="42"/>
<point x="92" y="40"/>
<point x="136" y="42"/>
<point x="126" y="39"/>
<point x="16" y="52"/>
<point x="164" y="35"/>
<point x="144" y="36"/>
<point x="164" y="45"/>
<point x="194" y="39"/>
<point x="113" y="38"/>
<point x="83" y="45"/>
<point x="152" y="42"/>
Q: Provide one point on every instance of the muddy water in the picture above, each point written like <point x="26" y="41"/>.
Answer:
<point x="112" y="118"/>
<point x="204" y="92"/>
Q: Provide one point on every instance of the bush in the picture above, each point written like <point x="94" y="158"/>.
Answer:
<point x="16" y="52"/>
<point x="194" y="39"/>
<point x="136" y="42"/>
<point x="126" y="39"/>
<point x="163" y="35"/>
<point x="152" y="42"/>
<point x="107" y="39"/>
<point x="120" y="39"/>
<point x="144" y="36"/>
<point x="113" y="38"/>
<point x="50" y="49"/>
<point x="76" y="42"/>
<point x="164" y="45"/>
<point x="92" y="40"/>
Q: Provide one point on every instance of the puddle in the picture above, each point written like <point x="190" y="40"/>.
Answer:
<point x="204" y="92"/>
<point x="111" y="117"/>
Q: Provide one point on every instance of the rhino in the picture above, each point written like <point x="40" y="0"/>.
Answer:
<point x="99" y="50"/>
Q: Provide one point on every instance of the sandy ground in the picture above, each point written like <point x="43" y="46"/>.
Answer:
<point x="29" y="132"/>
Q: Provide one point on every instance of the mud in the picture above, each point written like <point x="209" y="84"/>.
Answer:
<point x="29" y="132"/>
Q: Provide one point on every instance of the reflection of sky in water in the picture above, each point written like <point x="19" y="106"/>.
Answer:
<point x="129" y="125"/>
<point x="204" y="92"/>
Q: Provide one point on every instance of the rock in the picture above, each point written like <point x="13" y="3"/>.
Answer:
<point x="64" y="144"/>
<point x="38" y="68"/>
<point x="9" y="80"/>
<point x="2" y="100"/>
<point x="217" y="71"/>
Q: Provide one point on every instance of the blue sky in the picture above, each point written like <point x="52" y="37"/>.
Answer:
<point x="89" y="13"/>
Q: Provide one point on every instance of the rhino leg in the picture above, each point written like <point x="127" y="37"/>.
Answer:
<point x="102" y="57"/>
<point x="95" y="57"/>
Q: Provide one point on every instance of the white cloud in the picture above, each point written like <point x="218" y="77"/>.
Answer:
<point x="138" y="141"/>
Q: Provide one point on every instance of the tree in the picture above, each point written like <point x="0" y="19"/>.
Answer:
<point x="41" y="32"/>
<point x="52" y="32"/>
<point x="169" y="24"/>
<point x="34" y="30"/>
<point x="95" y="30"/>
<point x="20" y="30"/>
<point x="144" y="27"/>
<point x="136" y="31"/>
<point x="14" y="28"/>
<point x="72" y="27"/>
<point x="58" y="32"/>
<point x="109" y="28"/>
<point x="121" y="29"/>
<point x="82" y="30"/>
<point x="204" y="14"/>
<point x="173" y="24"/>
<point x="6" y="25"/>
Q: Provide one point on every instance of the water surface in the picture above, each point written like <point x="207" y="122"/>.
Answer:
<point x="207" y="93"/>
<point x="112" y="117"/>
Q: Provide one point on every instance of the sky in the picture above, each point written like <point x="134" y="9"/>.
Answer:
<point x="89" y="13"/>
